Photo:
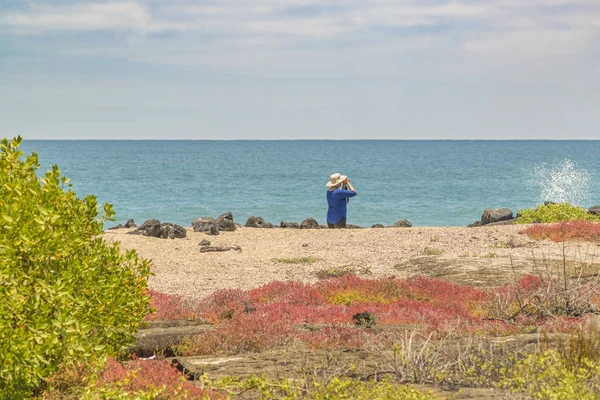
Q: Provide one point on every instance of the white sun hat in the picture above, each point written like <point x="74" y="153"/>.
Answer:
<point x="336" y="179"/>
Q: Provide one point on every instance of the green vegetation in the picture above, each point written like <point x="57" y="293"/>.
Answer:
<point x="489" y="255"/>
<point x="335" y="272"/>
<point x="66" y="296"/>
<point x="554" y="213"/>
<point x="430" y="251"/>
<point x="297" y="260"/>
<point x="548" y="375"/>
<point x="337" y="388"/>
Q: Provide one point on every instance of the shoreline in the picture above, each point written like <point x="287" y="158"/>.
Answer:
<point x="484" y="257"/>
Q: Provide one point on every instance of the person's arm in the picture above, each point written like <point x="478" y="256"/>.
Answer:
<point x="350" y="185"/>
<point x="345" y="194"/>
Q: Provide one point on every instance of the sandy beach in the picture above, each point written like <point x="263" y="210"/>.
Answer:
<point x="483" y="256"/>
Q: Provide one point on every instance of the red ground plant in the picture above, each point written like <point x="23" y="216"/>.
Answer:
<point x="563" y="231"/>
<point x="321" y="314"/>
<point x="141" y="376"/>
<point x="168" y="307"/>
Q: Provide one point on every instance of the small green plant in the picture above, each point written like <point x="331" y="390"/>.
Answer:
<point x="434" y="239"/>
<point x="338" y="388"/>
<point x="547" y="375"/>
<point x="334" y="272"/>
<point x="430" y="251"/>
<point x="489" y="255"/>
<point x="297" y="260"/>
<point x="66" y="295"/>
<point x="554" y="213"/>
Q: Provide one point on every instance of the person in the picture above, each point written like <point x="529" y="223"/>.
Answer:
<point x="337" y="197"/>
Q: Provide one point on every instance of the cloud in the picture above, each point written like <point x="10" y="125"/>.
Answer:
<point x="258" y="17"/>
<point x="306" y="34"/>
<point x="112" y="16"/>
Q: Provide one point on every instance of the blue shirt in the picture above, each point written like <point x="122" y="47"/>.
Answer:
<point x="336" y="199"/>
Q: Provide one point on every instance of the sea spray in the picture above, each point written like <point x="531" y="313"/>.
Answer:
<point x="563" y="182"/>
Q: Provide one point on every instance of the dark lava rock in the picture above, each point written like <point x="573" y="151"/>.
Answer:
<point x="292" y="225"/>
<point x="595" y="210"/>
<point x="377" y="226"/>
<point x="226" y="225"/>
<point x="350" y="226"/>
<point x="548" y="203"/>
<point x="172" y="231"/>
<point x="206" y="225"/>
<point x="475" y="224"/>
<point x="226" y="215"/>
<point x="128" y="224"/>
<point x="149" y="228"/>
<point x="401" y="224"/>
<point x="365" y="319"/>
<point x="495" y="215"/>
<point x="225" y="222"/>
<point x="205" y="243"/>
<point x="257" y="222"/>
<point x="309" y="223"/>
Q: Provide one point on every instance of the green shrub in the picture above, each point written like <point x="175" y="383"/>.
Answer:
<point x="66" y="296"/>
<point x="554" y="213"/>
<point x="547" y="375"/>
<point x="337" y="388"/>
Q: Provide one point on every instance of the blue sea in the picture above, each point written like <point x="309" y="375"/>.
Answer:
<point x="429" y="183"/>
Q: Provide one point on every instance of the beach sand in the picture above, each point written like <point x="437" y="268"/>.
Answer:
<point x="483" y="256"/>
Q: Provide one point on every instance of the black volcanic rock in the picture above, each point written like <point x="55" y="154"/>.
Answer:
<point x="150" y="228"/>
<point x="309" y="223"/>
<point x="128" y="224"/>
<point x="206" y="225"/>
<point x="401" y="224"/>
<point x="257" y="222"/>
<point x="491" y="215"/>
<point x="225" y="222"/>
<point x="172" y="231"/>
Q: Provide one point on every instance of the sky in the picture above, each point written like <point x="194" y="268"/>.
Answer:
<point x="300" y="69"/>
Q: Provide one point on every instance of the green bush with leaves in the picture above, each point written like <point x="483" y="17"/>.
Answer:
<point x="338" y="388"/>
<point x="548" y="375"/>
<point x="66" y="295"/>
<point x="550" y="212"/>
